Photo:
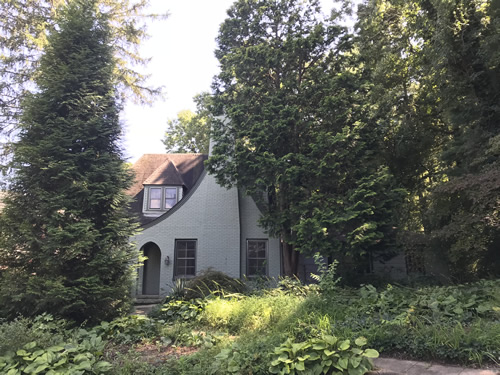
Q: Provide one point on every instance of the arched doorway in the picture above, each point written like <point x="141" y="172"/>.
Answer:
<point x="151" y="269"/>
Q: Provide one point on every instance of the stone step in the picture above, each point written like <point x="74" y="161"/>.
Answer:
<point x="147" y="299"/>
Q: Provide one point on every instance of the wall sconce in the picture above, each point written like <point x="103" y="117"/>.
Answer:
<point x="167" y="260"/>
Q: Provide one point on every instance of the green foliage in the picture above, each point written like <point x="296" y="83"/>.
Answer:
<point x="75" y="358"/>
<point x="248" y="314"/>
<point x="293" y="133"/>
<point x="129" y="329"/>
<point x="322" y="355"/>
<point x="326" y="279"/>
<point x="25" y="26"/>
<point x="190" y="132"/>
<point x="64" y="230"/>
<point x="249" y="355"/>
<point x="43" y="329"/>
<point x="180" y="310"/>
<point x="294" y="287"/>
<point x="433" y="75"/>
<point x="211" y="282"/>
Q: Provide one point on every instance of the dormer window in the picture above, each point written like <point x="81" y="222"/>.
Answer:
<point x="155" y="198"/>
<point x="170" y="197"/>
<point x="159" y="199"/>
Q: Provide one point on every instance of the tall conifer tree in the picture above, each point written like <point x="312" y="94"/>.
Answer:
<point x="64" y="229"/>
<point x="294" y="134"/>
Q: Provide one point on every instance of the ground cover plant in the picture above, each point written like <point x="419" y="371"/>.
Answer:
<point x="290" y="328"/>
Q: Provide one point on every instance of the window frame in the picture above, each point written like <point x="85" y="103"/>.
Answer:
<point x="176" y="189"/>
<point x="176" y="258"/>
<point x="266" y="258"/>
<point x="150" y="196"/>
<point x="163" y="197"/>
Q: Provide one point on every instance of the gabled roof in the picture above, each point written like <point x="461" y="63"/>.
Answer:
<point x="165" y="174"/>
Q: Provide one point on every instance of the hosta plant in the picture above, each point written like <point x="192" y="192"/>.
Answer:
<point x="323" y="355"/>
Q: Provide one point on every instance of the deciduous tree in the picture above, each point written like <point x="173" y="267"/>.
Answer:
<point x="24" y="26"/>
<point x="190" y="132"/>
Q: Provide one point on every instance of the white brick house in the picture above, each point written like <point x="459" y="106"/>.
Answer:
<point x="190" y="224"/>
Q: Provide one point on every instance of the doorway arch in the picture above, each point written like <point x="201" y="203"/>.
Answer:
<point x="151" y="269"/>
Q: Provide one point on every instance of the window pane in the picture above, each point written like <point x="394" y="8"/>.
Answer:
<point x="155" y="198"/>
<point x="256" y="257"/>
<point x="169" y="203"/>
<point x="185" y="258"/>
<point x="171" y="193"/>
<point x="170" y="197"/>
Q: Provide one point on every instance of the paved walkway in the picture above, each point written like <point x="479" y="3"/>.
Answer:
<point x="388" y="366"/>
<point x="143" y="309"/>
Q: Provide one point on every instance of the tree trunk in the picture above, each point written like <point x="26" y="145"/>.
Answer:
<point x="290" y="260"/>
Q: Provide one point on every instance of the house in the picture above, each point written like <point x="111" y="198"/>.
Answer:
<point x="190" y="223"/>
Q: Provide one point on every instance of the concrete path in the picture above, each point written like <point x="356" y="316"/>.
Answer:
<point x="143" y="309"/>
<point x="388" y="366"/>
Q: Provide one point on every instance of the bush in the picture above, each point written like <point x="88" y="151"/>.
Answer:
<point x="322" y="355"/>
<point x="66" y="358"/>
<point x="179" y="310"/>
<point x="43" y="329"/>
<point x="212" y="282"/>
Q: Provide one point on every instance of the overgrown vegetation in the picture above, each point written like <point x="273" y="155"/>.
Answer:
<point x="288" y="329"/>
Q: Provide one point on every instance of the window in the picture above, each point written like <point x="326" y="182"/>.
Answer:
<point x="162" y="198"/>
<point x="155" y="198"/>
<point x="170" y="197"/>
<point x="256" y="257"/>
<point x="185" y="258"/>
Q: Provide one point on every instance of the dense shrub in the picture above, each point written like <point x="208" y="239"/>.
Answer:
<point x="212" y="282"/>
<point x="43" y="329"/>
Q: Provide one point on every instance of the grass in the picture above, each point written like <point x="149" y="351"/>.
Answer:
<point x="238" y="334"/>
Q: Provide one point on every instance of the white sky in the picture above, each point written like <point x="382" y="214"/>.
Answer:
<point x="182" y="51"/>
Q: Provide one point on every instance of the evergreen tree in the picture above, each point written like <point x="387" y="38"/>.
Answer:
<point x="293" y="133"/>
<point x="65" y="230"/>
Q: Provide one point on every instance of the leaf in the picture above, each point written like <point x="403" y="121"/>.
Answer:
<point x="84" y="365"/>
<point x="56" y="348"/>
<point x="371" y="353"/>
<point x="355" y="361"/>
<point x="328" y="352"/>
<point x="344" y="345"/>
<point x="360" y="341"/>
<point x="22" y="353"/>
<point x="30" y="345"/>
<point x="300" y="366"/>
<point x="355" y="371"/>
<point x="343" y="363"/>
<point x="103" y="366"/>
<point x="332" y="340"/>
<point x="40" y="368"/>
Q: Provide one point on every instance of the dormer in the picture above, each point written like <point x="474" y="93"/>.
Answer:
<point x="162" y="189"/>
<point x="161" y="181"/>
